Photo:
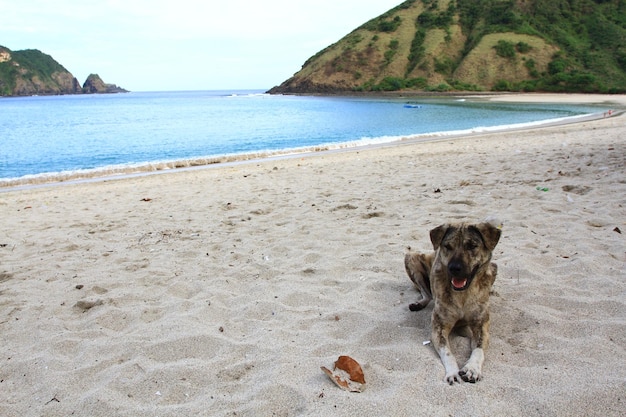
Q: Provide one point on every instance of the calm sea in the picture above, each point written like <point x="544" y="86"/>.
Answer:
<point x="62" y="137"/>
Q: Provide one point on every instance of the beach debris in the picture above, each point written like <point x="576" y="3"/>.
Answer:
<point x="426" y="342"/>
<point x="347" y="374"/>
<point x="53" y="400"/>
<point x="617" y="229"/>
<point x="146" y="199"/>
<point x="544" y="189"/>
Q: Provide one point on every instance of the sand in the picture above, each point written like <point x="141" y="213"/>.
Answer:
<point x="221" y="291"/>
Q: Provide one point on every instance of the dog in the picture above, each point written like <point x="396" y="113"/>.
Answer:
<point x="458" y="276"/>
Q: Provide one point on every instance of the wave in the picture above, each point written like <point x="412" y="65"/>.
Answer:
<point x="144" y="168"/>
<point x="431" y="136"/>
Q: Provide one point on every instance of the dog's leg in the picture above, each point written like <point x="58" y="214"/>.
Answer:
<point x="418" y="267"/>
<point x="441" y="343"/>
<point x="472" y="371"/>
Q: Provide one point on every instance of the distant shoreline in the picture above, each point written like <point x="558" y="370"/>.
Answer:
<point x="513" y="97"/>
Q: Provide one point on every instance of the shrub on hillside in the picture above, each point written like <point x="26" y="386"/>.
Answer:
<point x="505" y="49"/>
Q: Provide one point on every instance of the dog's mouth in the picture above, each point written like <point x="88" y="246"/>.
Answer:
<point x="459" y="274"/>
<point x="460" y="283"/>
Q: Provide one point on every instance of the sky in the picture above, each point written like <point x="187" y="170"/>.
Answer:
<point x="169" y="45"/>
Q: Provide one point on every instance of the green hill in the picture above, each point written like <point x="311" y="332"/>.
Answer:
<point x="31" y="72"/>
<point x="477" y="45"/>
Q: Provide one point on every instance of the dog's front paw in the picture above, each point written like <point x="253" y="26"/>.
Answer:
<point x="470" y="374"/>
<point x="453" y="377"/>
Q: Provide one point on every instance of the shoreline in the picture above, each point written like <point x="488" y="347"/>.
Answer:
<point x="227" y="289"/>
<point x="160" y="167"/>
<point x="588" y="98"/>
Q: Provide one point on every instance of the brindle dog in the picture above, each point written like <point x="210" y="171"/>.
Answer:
<point x="458" y="276"/>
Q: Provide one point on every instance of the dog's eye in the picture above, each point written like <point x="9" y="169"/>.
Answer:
<point x="448" y="246"/>
<point x="471" y="246"/>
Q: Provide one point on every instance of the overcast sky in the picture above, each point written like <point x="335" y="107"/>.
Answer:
<point x="158" y="45"/>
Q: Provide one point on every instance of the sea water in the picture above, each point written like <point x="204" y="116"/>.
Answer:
<point x="59" y="137"/>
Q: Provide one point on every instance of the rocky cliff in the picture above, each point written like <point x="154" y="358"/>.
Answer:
<point x="31" y="72"/>
<point x="476" y="45"/>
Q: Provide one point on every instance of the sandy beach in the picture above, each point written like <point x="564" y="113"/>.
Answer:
<point x="221" y="291"/>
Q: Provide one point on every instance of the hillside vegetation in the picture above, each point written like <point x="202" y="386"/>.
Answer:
<point x="477" y="45"/>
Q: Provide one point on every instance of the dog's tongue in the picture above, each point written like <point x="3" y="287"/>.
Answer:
<point x="459" y="283"/>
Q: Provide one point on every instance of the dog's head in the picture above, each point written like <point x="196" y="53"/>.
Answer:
<point x="464" y="249"/>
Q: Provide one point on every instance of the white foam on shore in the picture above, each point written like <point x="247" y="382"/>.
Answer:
<point x="125" y="170"/>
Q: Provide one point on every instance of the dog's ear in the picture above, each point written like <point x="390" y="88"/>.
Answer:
<point x="437" y="234"/>
<point x="490" y="233"/>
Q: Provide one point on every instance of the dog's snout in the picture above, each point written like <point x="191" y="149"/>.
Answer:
<point x="455" y="267"/>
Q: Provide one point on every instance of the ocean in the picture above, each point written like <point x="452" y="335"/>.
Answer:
<point x="55" y="138"/>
